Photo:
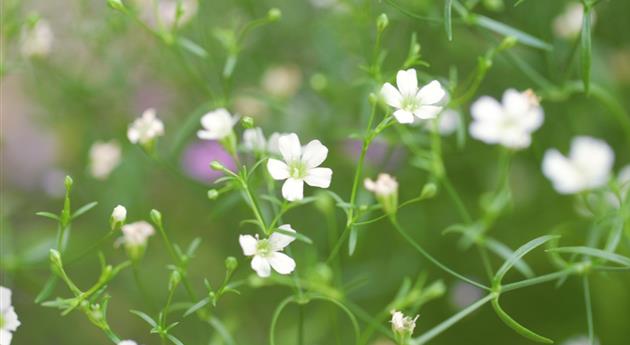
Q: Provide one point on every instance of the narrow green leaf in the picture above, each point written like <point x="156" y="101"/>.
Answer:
<point x="144" y="317"/>
<point x="519" y="2"/>
<point x="448" y="25"/>
<point x="197" y="306"/>
<point x="222" y="330"/>
<point x="83" y="209"/>
<point x="295" y="235"/>
<point x="586" y="49"/>
<point x="520" y="329"/>
<point x="192" y="47"/>
<point x="174" y="340"/>
<point x="48" y="288"/>
<point x="505" y="252"/>
<point x="594" y="252"/>
<point x="48" y="215"/>
<point x="506" y="30"/>
<point x="519" y="253"/>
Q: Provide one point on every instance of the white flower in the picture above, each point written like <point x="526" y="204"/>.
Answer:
<point x="104" y="158"/>
<point x="37" y="39"/>
<point x="579" y="340"/>
<point x="166" y="12"/>
<point x="254" y="139"/>
<point x="119" y="214"/>
<point x="267" y="252"/>
<point x="8" y="318"/>
<point x="588" y="165"/>
<point x="282" y="81"/>
<point x="146" y="128"/>
<point x="509" y="123"/>
<point x="216" y="125"/>
<point x="136" y="234"/>
<point x="384" y="186"/>
<point x="402" y="324"/>
<point x="127" y="342"/>
<point x="272" y="144"/>
<point x="423" y="103"/>
<point x="448" y="121"/>
<point x="569" y="23"/>
<point x="300" y="165"/>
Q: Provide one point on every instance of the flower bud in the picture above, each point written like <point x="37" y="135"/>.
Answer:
<point x="386" y="190"/>
<point x="136" y="236"/>
<point x="213" y="194"/>
<point x="68" y="182"/>
<point x="119" y="215"/>
<point x="403" y="326"/>
<point x="274" y="14"/>
<point x="55" y="259"/>
<point x="231" y="264"/>
<point x="428" y="191"/>
<point x="248" y="122"/>
<point x="216" y="165"/>
<point x="174" y="280"/>
<point x="156" y="217"/>
<point x="382" y="22"/>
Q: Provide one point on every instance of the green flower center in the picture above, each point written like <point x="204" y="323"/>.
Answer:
<point x="263" y="248"/>
<point x="1" y="321"/>
<point x="297" y="169"/>
<point x="409" y="103"/>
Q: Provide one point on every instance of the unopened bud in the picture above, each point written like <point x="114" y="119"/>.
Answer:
<point x="216" y="165"/>
<point x="213" y="194"/>
<point x="248" y="122"/>
<point x="274" y="14"/>
<point x="231" y="264"/>
<point x="382" y="22"/>
<point x="156" y="217"/>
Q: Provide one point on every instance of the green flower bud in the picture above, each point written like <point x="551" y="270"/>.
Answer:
<point x="156" y="217"/>
<point x="382" y="22"/>
<point x="274" y="14"/>
<point x="116" y="4"/>
<point x="248" y="122"/>
<point x="213" y="194"/>
<point x="231" y="264"/>
<point x="216" y="165"/>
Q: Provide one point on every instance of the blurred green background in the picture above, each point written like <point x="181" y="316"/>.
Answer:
<point x="103" y="69"/>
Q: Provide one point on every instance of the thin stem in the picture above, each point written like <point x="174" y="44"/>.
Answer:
<point x="483" y="252"/>
<point x="435" y="331"/>
<point x="589" y="310"/>
<point x="459" y="204"/>
<point x="254" y="206"/>
<point x="432" y="259"/>
<point x="537" y="280"/>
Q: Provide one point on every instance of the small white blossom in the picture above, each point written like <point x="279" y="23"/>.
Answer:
<point x="267" y="252"/>
<point x="402" y="324"/>
<point x="216" y="125"/>
<point x="385" y="185"/>
<point x="282" y="81"/>
<point x="119" y="214"/>
<point x="145" y="129"/>
<point x="272" y="144"/>
<point x="410" y="101"/>
<point x="127" y="342"/>
<point x="300" y="165"/>
<point x="509" y="123"/>
<point x="166" y="12"/>
<point x="37" y="39"/>
<point x="254" y="139"/>
<point x="588" y="165"/>
<point x="8" y="318"/>
<point x="569" y="23"/>
<point x="136" y="234"/>
<point x="104" y="158"/>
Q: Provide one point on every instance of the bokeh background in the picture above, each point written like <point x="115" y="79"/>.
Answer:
<point x="300" y="74"/>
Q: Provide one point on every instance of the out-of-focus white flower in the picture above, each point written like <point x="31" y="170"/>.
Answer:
<point x="164" y="13"/>
<point x="282" y="81"/>
<point x="588" y="165"/>
<point x="403" y="325"/>
<point x="8" y="318"/>
<point x="146" y="128"/>
<point x="272" y="143"/>
<point x="250" y="106"/>
<point x="216" y="125"/>
<point x="119" y="214"/>
<point x="127" y="342"/>
<point x="509" y="123"/>
<point x="37" y="39"/>
<point x="448" y="121"/>
<point x="137" y="234"/>
<point x="569" y="23"/>
<point x="267" y="253"/>
<point x="410" y="101"/>
<point x="300" y="165"/>
<point x="104" y="158"/>
<point x="254" y="140"/>
<point x="385" y="185"/>
<point x="579" y="340"/>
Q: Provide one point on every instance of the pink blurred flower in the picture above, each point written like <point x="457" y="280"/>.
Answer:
<point x="197" y="157"/>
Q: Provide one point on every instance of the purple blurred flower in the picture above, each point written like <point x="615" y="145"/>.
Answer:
<point x="379" y="153"/>
<point x="463" y="295"/>
<point x="197" y="157"/>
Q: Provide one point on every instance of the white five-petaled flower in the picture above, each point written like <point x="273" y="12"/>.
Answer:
<point x="402" y="324"/>
<point x="267" y="252"/>
<point x="104" y="158"/>
<point x="145" y="128"/>
<point x="127" y="342"/>
<point x="272" y="144"/>
<point x="385" y="185"/>
<point x="254" y="140"/>
<point x="300" y="165"/>
<point x="216" y="125"/>
<point x="8" y="318"/>
<point x="410" y="101"/>
<point x="509" y="123"/>
<point x="588" y="165"/>
<point x="37" y="39"/>
<point x="136" y="234"/>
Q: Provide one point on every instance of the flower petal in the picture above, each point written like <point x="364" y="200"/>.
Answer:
<point x="290" y="147"/>
<point x="5" y="337"/>
<point x="282" y="263"/>
<point x="515" y="103"/>
<point x="486" y="109"/>
<point x="403" y="116"/>
<point x="594" y="158"/>
<point x="407" y="82"/>
<point x="319" y="177"/>
<point x="488" y="132"/>
<point x="391" y="95"/>
<point x="261" y="266"/>
<point x="293" y="189"/>
<point x="427" y="111"/>
<point x="431" y="93"/>
<point x="314" y="154"/>
<point x="5" y="298"/>
<point x="248" y="244"/>
<point x="277" y="169"/>
<point x="278" y="241"/>
<point x="563" y="175"/>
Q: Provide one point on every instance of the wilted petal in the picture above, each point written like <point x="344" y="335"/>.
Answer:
<point x="314" y="154"/>
<point x="391" y="95"/>
<point x="319" y="177"/>
<point x="403" y="116"/>
<point x="407" y="82"/>
<point x="278" y="241"/>
<point x="248" y="244"/>
<point x="282" y="263"/>
<point x="293" y="189"/>
<point x="277" y="169"/>
<point x="431" y="93"/>
<point x="261" y="266"/>
<point x="290" y="147"/>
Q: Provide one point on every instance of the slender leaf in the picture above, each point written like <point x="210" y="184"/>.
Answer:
<point x="197" y="306"/>
<point x="84" y="209"/>
<point x="594" y="252"/>
<point x="505" y="252"/>
<point x="192" y="47"/>
<point x="586" y="49"/>
<point x="48" y="288"/>
<point x="144" y="317"/>
<point x="507" y="31"/>
<point x="589" y="310"/>
<point x="519" y="253"/>
<point x="48" y="215"/>
<point x="448" y="25"/>
<point x="174" y="340"/>
<point x="520" y="329"/>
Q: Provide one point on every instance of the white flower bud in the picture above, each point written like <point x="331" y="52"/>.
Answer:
<point x="119" y="214"/>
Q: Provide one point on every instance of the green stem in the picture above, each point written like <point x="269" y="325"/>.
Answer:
<point x="537" y="280"/>
<point x="432" y="259"/>
<point x="589" y="310"/>
<point x="253" y="204"/>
